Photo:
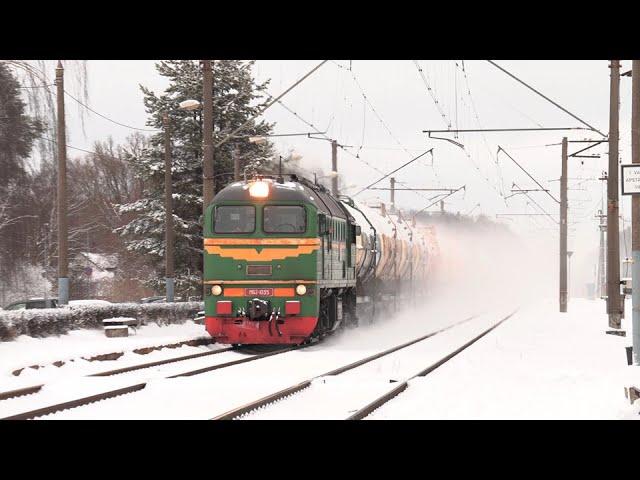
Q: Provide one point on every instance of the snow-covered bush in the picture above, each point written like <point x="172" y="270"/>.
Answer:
<point x="57" y="321"/>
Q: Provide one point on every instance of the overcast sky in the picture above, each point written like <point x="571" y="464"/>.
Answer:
<point x="332" y="100"/>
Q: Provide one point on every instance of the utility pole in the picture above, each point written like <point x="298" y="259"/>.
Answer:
<point x="334" y="168"/>
<point x="602" y="276"/>
<point x="393" y="194"/>
<point x="563" y="229"/>
<point x="63" y="226"/>
<point x="208" y="185"/>
<point x="168" y="212"/>
<point x="236" y="164"/>
<point x="614" y="301"/>
<point x="635" y="212"/>
<point x="47" y="304"/>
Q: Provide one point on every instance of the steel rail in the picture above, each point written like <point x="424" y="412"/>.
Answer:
<point x="238" y="412"/>
<point x="118" y="371"/>
<point x="19" y="392"/>
<point x="130" y="389"/>
<point x="368" y="409"/>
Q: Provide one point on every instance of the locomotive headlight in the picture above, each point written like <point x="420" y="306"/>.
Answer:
<point x="216" y="290"/>
<point x="301" y="289"/>
<point x="259" y="189"/>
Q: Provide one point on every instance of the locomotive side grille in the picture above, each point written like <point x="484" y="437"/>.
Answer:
<point x="259" y="270"/>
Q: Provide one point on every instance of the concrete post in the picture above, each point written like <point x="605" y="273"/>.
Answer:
<point x="208" y="168"/>
<point x="614" y="302"/>
<point x="635" y="212"/>
<point x="168" y="212"/>
<point x="563" y="229"/>
<point x="63" y="225"/>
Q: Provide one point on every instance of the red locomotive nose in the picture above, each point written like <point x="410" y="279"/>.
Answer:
<point x="242" y="330"/>
<point x="224" y="307"/>
<point x="292" y="307"/>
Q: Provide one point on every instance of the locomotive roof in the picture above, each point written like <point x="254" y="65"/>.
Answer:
<point x="288" y="191"/>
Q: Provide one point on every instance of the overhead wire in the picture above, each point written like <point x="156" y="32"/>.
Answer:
<point x="545" y="97"/>
<point x="480" y="126"/>
<point x="383" y="123"/>
<point x="448" y="123"/>
<point x="342" y="147"/>
<point x="110" y="119"/>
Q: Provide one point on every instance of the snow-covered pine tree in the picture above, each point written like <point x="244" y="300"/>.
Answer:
<point x="18" y="132"/>
<point x="236" y="98"/>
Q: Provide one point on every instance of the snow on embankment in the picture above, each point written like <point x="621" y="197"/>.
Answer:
<point x="58" y="321"/>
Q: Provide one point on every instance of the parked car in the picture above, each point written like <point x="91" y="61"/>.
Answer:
<point x="33" y="303"/>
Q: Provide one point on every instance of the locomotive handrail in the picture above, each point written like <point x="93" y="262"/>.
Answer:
<point x="375" y="235"/>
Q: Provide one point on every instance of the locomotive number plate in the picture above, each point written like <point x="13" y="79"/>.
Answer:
<point x="258" y="292"/>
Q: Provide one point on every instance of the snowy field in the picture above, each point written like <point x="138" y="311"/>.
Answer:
<point x="26" y="351"/>
<point x="540" y="364"/>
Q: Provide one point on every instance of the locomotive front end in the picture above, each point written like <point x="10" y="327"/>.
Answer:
<point x="260" y="264"/>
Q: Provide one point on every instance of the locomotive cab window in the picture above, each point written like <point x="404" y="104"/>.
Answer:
<point x="284" y="219"/>
<point x="235" y="219"/>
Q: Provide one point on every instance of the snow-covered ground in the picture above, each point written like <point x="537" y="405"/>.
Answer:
<point x="26" y="351"/>
<point x="337" y="397"/>
<point x="213" y="393"/>
<point x="540" y="364"/>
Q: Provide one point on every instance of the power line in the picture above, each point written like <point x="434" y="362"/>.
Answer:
<point x="448" y="123"/>
<point x="528" y="174"/>
<point x="80" y="149"/>
<point x="536" y="204"/>
<point x="394" y="171"/>
<point x="375" y="112"/>
<point x="264" y="109"/>
<point x="545" y="97"/>
<point x="342" y="147"/>
<point x="46" y="85"/>
<point x="383" y="123"/>
<point x="477" y="118"/>
<point x="433" y="203"/>
<point x="433" y="97"/>
<point x="110" y="119"/>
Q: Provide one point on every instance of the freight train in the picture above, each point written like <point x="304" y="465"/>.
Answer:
<point x="286" y="262"/>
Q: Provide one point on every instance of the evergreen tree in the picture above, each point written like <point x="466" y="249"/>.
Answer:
<point x="18" y="131"/>
<point x="236" y="98"/>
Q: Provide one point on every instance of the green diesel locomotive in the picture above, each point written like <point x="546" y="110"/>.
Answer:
<point x="285" y="261"/>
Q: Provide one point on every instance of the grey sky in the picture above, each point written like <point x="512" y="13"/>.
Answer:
<point x="331" y="99"/>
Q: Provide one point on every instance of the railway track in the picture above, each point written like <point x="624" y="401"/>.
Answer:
<point x="294" y="389"/>
<point x="19" y="392"/>
<point x="47" y="410"/>
<point x="195" y="342"/>
<point x="402" y="386"/>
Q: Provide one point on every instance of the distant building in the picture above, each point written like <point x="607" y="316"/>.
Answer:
<point x="93" y="274"/>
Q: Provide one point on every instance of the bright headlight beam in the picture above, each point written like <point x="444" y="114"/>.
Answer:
<point x="259" y="189"/>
